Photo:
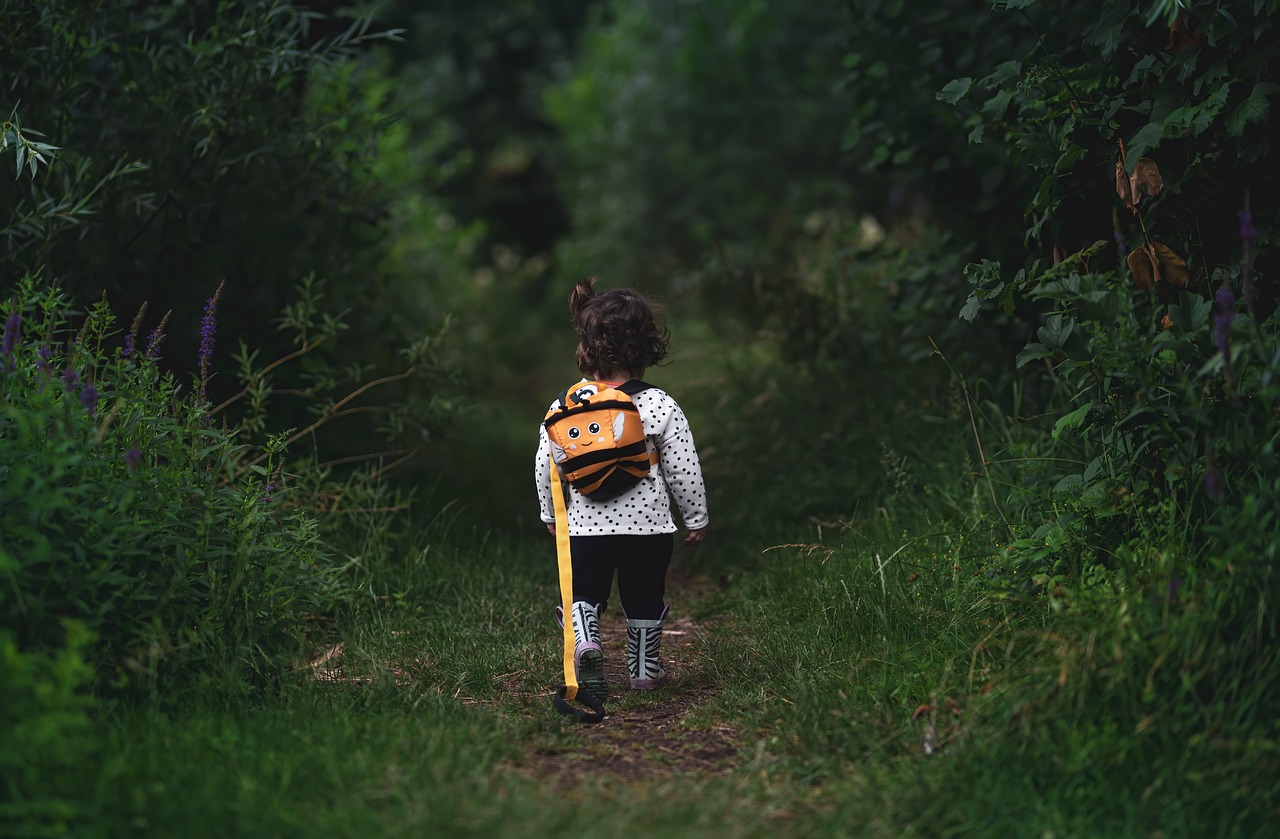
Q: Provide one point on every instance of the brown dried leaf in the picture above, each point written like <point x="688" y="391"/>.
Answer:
<point x="1171" y="267"/>
<point x="1154" y="259"/>
<point x="1146" y="179"/>
<point x="1180" y="37"/>
<point x="1124" y="188"/>
<point x="1141" y="266"/>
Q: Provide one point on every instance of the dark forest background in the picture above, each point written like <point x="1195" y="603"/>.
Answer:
<point x="983" y="288"/>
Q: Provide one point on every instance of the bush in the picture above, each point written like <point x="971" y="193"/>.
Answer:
<point x="125" y="508"/>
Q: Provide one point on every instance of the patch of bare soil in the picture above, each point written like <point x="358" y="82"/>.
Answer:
<point x="647" y="735"/>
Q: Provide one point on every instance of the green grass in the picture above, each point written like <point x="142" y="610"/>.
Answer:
<point x="820" y="656"/>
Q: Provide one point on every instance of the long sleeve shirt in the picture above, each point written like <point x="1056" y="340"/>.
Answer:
<point x="646" y="507"/>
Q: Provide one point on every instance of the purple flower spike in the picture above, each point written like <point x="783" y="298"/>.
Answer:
<point x="133" y="458"/>
<point x="128" y="346"/>
<point x="1226" y="303"/>
<point x="1248" y="231"/>
<point x="266" y="496"/>
<point x="12" y="328"/>
<point x="1213" y="481"/>
<point x="1221" y="337"/>
<point x="89" y="399"/>
<point x="208" y="329"/>
<point x="70" y="378"/>
<point x="157" y="338"/>
<point x="1225" y="300"/>
<point x="42" y="363"/>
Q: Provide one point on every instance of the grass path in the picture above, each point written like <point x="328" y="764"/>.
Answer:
<point x="647" y="734"/>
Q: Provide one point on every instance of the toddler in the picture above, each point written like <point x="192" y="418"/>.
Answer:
<point x="631" y="533"/>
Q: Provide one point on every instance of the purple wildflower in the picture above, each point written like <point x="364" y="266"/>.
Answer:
<point x="157" y="337"/>
<point x="12" y="328"/>
<point x="1224" y="298"/>
<point x="1248" y="236"/>
<point x="208" y="329"/>
<point x="131" y="340"/>
<point x="268" y="489"/>
<point x="1221" y="326"/>
<point x="1213" y="480"/>
<point x="70" y="378"/>
<point x="1226" y="302"/>
<point x="132" y="458"/>
<point x="42" y="361"/>
<point x="89" y="398"/>
<point x="1248" y="231"/>
<point x="1119" y="237"/>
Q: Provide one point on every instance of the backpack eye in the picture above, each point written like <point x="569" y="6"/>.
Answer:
<point x="574" y="433"/>
<point x="594" y="428"/>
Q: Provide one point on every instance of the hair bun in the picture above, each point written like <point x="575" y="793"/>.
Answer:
<point x="581" y="295"/>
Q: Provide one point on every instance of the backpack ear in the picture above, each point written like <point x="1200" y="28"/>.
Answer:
<point x="619" y="424"/>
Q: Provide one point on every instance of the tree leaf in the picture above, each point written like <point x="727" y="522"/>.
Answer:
<point x="1056" y="330"/>
<point x="971" y="308"/>
<point x="1171" y="267"/>
<point x="1181" y="38"/>
<point x="1142" y="268"/>
<point x="1252" y="109"/>
<point x="1146" y="179"/>
<point x="1071" y="420"/>
<point x="954" y="90"/>
<point x="1031" y="352"/>
<point x="1148" y="137"/>
<point x="1124" y="187"/>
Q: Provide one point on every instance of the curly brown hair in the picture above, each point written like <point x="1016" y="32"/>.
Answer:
<point x="618" y="331"/>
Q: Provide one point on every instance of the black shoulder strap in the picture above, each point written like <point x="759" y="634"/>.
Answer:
<point x="633" y="386"/>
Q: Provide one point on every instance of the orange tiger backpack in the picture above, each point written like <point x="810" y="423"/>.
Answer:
<point x="597" y="439"/>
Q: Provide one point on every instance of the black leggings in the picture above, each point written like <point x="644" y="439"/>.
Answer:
<point x="641" y="563"/>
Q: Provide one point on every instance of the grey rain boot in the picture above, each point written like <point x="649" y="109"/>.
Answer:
<point x="588" y="655"/>
<point x="644" y="643"/>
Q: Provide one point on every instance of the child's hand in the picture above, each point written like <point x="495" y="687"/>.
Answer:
<point x="551" y="528"/>
<point x="695" y="536"/>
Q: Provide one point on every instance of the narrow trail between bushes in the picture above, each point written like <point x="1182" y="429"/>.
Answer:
<point x="648" y="735"/>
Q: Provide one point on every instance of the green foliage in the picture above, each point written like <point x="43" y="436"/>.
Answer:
<point x="44" y="712"/>
<point x="690" y="127"/>
<point x="1169" y="394"/>
<point x="127" y="510"/>
<point x="197" y="143"/>
<point x="1137" y="501"/>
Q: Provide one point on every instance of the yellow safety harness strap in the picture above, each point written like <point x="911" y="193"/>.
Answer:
<point x="565" y="561"/>
<point x="564" y="558"/>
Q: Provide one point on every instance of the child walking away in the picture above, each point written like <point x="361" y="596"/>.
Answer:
<point x="623" y="450"/>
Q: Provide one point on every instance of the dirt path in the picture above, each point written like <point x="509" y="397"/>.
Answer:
<point x="648" y="734"/>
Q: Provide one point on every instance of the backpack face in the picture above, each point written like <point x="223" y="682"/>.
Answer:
<point x="597" y="438"/>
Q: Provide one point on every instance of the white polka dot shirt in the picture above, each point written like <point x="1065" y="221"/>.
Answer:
<point x="646" y="507"/>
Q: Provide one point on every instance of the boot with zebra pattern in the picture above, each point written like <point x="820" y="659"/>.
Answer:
<point x="644" y="644"/>
<point x="588" y="655"/>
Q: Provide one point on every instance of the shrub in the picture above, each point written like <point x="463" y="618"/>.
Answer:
<point x="126" y="509"/>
